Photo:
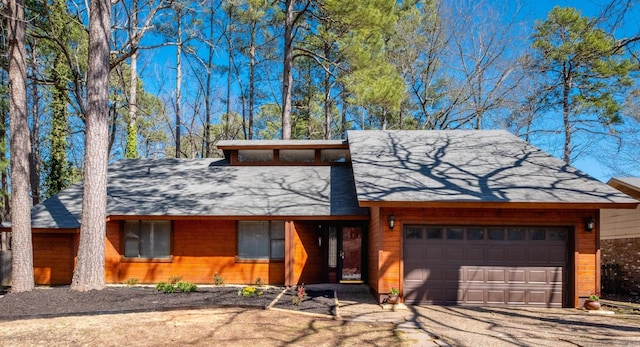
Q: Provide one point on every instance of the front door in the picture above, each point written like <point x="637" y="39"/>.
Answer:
<point x="351" y="254"/>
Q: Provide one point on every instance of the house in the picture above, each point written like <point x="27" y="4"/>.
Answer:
<point x="447" y="217"/>
<point x="620" y="240"/>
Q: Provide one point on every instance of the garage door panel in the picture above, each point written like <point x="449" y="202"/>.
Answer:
<point x="496" y="254"/>
<point x="435" y="254"/>
<point x="475" y="275"/>
<point x="537" y="276"/>
<point x="496" y="275"/>
<point x="517" y="276"/>
<point x="476" y="255"/>
<point x="528" y="270"/>
<point x="455" y="254"/>
<point x="415" y="253"/>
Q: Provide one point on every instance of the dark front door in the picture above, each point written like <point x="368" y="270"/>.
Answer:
<point x="351" y="255"/>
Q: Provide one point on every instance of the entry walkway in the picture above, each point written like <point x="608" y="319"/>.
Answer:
<point x="484" y="326"/>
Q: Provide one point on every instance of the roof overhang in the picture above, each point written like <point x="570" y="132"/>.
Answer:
<point x="626" y="187"/>
<point x="216" y="218"/>
<point x="502" y="205"/>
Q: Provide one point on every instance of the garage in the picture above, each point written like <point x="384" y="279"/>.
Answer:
<point x="492" y="266"/>
<point x="53" y="258"/>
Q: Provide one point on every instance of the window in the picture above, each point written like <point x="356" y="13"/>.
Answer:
<point x="255" y="155"/>
<point x="434" y="233"/>
<point x="261" y="239"/>
<point x="413" y="233"/>
<point x="335" y="155"/>
<point x="147" y="239"/>
<point x="475" y="234"/>
<point x="455" y="234"/>
<point x="298" y="155"/>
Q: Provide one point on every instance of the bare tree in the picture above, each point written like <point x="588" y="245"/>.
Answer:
<point x="22" y="262"/>
<point x="89" y="272"/>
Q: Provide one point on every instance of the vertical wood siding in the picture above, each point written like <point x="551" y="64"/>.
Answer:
<point x="53" y="258"/>
<point x="307" y="255"/>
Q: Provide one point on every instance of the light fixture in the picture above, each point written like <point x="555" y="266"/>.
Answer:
<point x="589" y="224"/>
<point x="319" y="234"/>
<point x="392" y="221"/>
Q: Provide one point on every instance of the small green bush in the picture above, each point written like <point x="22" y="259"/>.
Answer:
<point x="218" y="280"/>
<point x="187" y="287"/>
<point x="248" y="292"/>
<point x="165" y="287"/>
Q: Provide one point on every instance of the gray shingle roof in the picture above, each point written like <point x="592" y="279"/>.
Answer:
<point x="172" y="187"/>
<point x="466" y="166"/>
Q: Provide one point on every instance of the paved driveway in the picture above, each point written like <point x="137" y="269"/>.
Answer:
<point x="462" y="326"/>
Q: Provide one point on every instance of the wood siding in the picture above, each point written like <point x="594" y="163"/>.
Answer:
<point x="374" y="249"/>
<point x="200" y="250"/>
<point x="584" y="278"/>
<point x="53" y="258"/>
<point x="617" y="224"/>
<point x="306" y="255"/>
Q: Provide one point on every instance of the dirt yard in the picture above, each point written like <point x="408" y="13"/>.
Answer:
<point x="215" y="326"/>
<point x="144" y="317"/>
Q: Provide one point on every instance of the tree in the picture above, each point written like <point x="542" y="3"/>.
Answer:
<point x="22" y="262"/>
<point x="89" y="272"/>
<point x="584" y="72"/>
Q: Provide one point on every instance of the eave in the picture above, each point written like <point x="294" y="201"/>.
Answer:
<point x="503" y="205"/>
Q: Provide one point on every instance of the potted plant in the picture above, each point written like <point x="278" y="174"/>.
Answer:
<point x="393" y="295"/>
<point x="592" y="302"/>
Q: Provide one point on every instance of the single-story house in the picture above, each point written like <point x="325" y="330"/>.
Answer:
<point x="447" y="217"/>
<point x="620" y="240"/>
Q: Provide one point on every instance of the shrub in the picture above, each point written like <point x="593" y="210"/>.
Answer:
<point x="218" y="280"/>
<point x="187" y="286"/>
<point x="248" y="292"/>
<point x="259" y="282"/>
<point x="301" y="293"/>
<point x="165" y="287"/>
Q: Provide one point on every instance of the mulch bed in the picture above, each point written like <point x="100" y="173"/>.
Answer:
<point x="314" y="301"/>
<point x="61" y="301"/>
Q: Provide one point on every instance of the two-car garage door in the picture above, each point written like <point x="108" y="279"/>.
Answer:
<point x="491" y="266"/>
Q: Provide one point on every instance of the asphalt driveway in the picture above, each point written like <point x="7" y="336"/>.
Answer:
<point x="466" y="326"/>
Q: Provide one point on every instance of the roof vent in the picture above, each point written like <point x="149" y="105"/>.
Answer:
<point x="148" y="170"/>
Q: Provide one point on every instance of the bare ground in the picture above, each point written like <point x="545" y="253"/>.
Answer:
<point x="141" y="316"/>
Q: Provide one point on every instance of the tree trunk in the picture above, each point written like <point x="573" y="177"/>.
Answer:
<point x="328" y="119"/>
<point x="178" y="78"/>
<point x="131" y="147"/>
<point x="565" y="116"/>
<point x="252" y="77"/>
<point x="22" y="263"/>
<point x="34" y="156"/>
<point x="229" y="66"/>
<point x="89" y="272"/>
<point x="287" y="71"/>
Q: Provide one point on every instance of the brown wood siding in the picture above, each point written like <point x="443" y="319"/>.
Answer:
<point x="585" y="271"/>
<point x="112" y="251"/>
<point x="307" y="254"/>
<point x="53" y="258"/>
<point x="374" y="247"/>
<point x="200" y="250"/>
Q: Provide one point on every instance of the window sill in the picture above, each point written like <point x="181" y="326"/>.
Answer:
<point x="146" y="260"/>
<point x="257" y="261"/>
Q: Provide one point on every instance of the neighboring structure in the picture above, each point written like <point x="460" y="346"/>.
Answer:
<point x="448" y="217"/>
<point x="620" y="240"/>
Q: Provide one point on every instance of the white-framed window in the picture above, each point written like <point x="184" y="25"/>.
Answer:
<point x="147" y="239"/>
<point x="261" y="240"/>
